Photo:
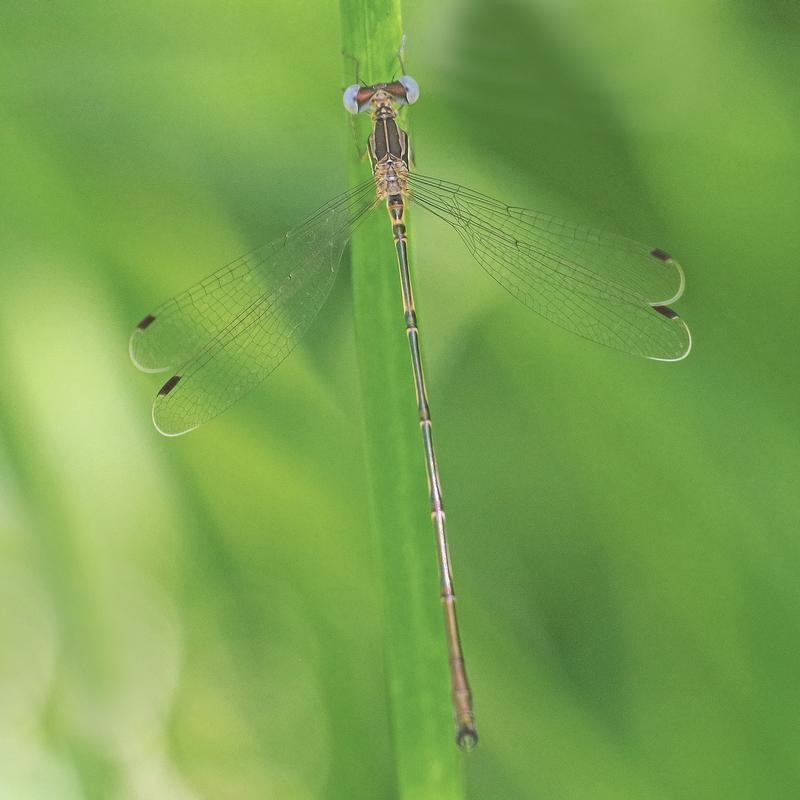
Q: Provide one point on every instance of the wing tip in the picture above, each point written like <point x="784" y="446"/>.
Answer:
<point x="672" y="315"/>
<point x="170" y="434"/>
<point x="161" y="426"/>
<point x="138" y="331"/>
<point x="670" y="261"/>
<point x="132" y="350"/>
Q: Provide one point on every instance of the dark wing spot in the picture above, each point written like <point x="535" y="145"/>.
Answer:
<point x="661" y="255"/>
<point x="667" y="312"/>
<point x="169" y="385"/>
<point x="146" y="322"/>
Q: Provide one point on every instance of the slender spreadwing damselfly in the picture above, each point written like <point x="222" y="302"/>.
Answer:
<point x="224" y="335"/>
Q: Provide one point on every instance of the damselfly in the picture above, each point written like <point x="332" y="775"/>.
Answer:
<point x="224" y="335"/>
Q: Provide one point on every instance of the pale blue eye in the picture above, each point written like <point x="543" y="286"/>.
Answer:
<point x="349" y="98"/>
<point x="411" y="87"/>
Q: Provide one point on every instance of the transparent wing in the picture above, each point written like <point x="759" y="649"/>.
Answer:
<point x="604" y="287"/>
<point x="178" y="328"/>
<point x="224" y="335"/>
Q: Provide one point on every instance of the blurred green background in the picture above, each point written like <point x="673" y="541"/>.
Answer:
<point x="198" y="618"/>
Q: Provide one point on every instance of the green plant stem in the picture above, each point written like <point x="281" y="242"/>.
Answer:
<point x="416" y="654"/>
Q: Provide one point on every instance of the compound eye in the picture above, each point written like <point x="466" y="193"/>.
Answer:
<point x="411" y="87"/>
<point x="350" y="98"/>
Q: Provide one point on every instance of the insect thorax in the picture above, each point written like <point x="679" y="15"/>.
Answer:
<point x="391" y="177"/>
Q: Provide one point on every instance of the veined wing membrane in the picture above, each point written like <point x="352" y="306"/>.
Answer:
<point x="604" y="287"/>
<point x="179" y="327"/>
<point x="234" y="328"/>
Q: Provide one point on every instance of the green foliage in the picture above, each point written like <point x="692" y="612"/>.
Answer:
<point x="206" y="616"/>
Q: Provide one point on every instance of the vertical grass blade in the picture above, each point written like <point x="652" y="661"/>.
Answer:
<point x="416" y="655"/>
